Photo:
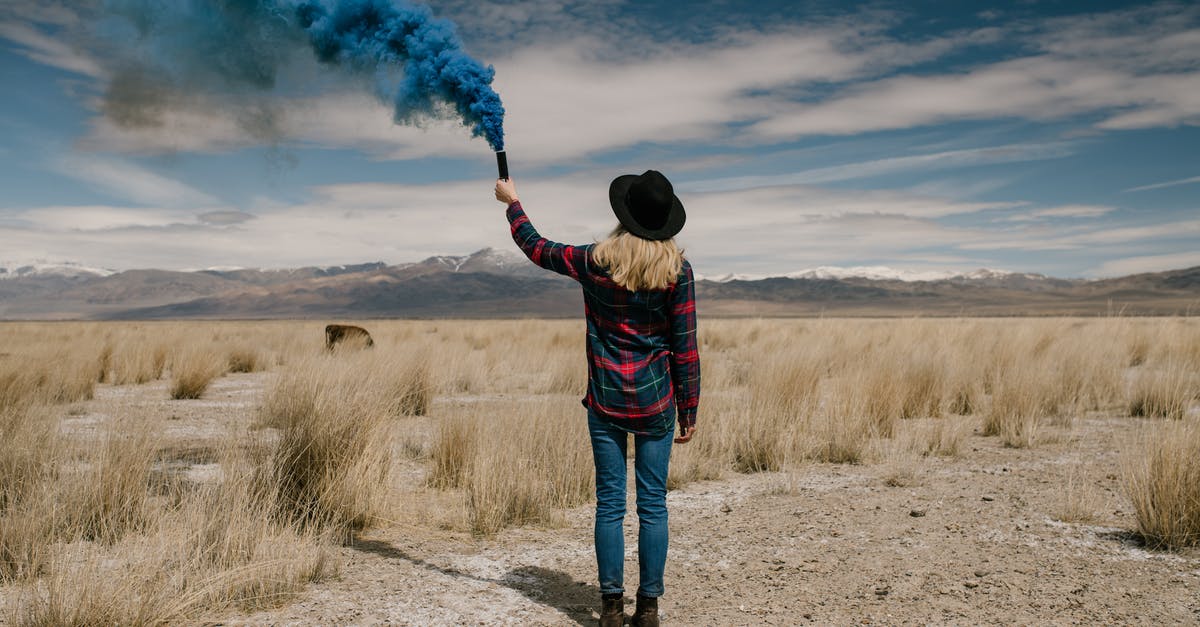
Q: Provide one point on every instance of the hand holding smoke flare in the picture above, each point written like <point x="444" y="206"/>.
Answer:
<point x="232" y="49"/>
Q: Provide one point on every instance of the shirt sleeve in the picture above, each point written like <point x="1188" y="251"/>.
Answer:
<point x="685" y="357"/>
<point x="561" y="258"/>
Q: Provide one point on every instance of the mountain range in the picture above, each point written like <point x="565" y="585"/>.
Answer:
<point x="491" y="283"/>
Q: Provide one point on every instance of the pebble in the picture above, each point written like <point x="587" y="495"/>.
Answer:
<point x="989" y="498"/>
<point x="917" y="513"/>
<point x="726" y="508"/>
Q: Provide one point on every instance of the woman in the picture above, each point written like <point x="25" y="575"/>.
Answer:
<point x="643" y="368"/>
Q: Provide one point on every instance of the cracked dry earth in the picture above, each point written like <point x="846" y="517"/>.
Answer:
<point x="970" y="540"/>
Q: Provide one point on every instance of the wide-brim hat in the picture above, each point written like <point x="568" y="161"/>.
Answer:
<point x="646" y="205"/>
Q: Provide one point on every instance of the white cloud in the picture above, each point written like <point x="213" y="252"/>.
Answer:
<point x="1064" y="211"/>
<point x="1146" y="263"/>
<point x="1034" y="88"/>
<point x="1187" y="181"/>
<point x="47" y="50"/>
<point x="766" y="230"/>
<point x="774" y="229"/>
<point x="1040" y="238"/>
<point x="923" y="162"/>
<point x="130" y="181"/>
<point x="99" y="218"/>
<point x="342" y="120"/>
<point x="1139" y="66"/>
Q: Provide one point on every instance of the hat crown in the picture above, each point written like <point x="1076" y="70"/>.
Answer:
<point x="650" y="198"/>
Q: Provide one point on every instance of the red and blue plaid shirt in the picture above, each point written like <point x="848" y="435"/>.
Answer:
<point x="643" y="365"/>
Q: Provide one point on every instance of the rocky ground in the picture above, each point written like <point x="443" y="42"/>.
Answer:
<point x="977" y="539"/>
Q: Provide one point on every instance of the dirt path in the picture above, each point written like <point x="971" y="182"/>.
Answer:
<point x="975" y="541"/>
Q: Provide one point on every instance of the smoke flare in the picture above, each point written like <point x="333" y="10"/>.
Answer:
<point x="237" y="48"/>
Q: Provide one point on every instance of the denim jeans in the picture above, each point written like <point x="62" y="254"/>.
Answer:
<point x="651" y="457"/>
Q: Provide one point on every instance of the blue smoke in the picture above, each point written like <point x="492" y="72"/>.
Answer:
<point x="368" y="34"/>
<point x="234" y="48"/>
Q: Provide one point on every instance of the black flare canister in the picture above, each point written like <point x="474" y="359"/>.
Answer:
<point x="502" y="164"/>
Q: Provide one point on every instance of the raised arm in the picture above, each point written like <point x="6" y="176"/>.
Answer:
<point x="685" y="357"/>
<point x="561" y="258"/>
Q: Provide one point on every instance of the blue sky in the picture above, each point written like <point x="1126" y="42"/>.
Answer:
<point x="1052" y="137"/>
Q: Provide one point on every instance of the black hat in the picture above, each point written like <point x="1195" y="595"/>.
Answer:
<point x="646" y="205"/>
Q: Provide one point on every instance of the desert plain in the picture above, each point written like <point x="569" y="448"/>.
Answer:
<point x="845" y="471"/>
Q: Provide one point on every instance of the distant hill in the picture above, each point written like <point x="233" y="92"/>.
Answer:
<point x="491" y="283"/>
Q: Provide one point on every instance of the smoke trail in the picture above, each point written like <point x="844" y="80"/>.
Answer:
<point x="164" y="53"/>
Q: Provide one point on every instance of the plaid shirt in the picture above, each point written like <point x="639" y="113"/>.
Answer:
<point x="643" y="364"/>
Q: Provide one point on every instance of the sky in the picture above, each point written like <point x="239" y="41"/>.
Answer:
<point x="1054" y="137"/>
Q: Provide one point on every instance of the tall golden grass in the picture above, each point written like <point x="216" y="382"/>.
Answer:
<point x="515" y="465"/>
<point x="193" y="370"/>
<point x="331" y="464"/>
<point x="486" y="414"/>
<point x="1162" y="478"/>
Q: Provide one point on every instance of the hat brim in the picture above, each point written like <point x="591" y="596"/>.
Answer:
<point x="616" y="197"/>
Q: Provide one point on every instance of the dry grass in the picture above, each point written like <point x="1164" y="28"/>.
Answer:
<point x="1162" y="478"/>
<point x="568" y="374"/>
<point x="1081" y="503"/>
<point x="193" y="370"/>
<point x="334" y="450"/>
<point x="413" y="387"/>
<point x="90" y="532"/>
<point x="106" y="496"/>
<point x="47" y="376"/>
<point x="135" y="363"/>
<point x="1164" y="392"/>
<point x="220" y="547"/>
<point x="519" y="465"/>
<point x="244" y="359"/>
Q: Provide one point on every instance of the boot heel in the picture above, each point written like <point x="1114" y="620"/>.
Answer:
<point x="612" y="610"/>
<point x="646" y="614"/>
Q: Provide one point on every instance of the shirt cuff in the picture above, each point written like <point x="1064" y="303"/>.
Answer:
<point x="687" y="418"/>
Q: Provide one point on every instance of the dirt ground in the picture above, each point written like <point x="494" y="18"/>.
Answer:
<point x="970" y="540"/>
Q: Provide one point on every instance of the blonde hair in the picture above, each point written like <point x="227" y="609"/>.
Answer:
<point x="639" y="264"/>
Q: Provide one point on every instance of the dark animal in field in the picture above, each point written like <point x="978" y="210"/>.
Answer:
<point x="348" y="334"/>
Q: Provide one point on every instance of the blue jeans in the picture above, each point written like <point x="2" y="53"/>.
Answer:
<point x="651" y="457"/>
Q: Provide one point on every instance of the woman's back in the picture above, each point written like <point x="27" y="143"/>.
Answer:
<point x="643" y="366"/>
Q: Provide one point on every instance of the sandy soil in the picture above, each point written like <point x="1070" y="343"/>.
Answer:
<point x="970" y="540"/>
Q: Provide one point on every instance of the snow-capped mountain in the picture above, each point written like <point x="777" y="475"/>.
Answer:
<point x="876" y="273"/>
<point x="487" y="260"/>
<point x="66" y="269"/>
<point x="502" y="283"/>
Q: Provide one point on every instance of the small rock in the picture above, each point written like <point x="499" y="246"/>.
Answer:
<point x="971" y="584"/>
<point x="883" y="591"/>
<point x="726" y="508"/>
<point x="989" y="498"/>
<point x="917" y="513"/>
<point x="981" y="573"/>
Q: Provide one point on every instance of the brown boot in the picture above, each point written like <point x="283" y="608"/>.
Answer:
<point x="612" y="610"/>
<point x="646" y="614"/>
